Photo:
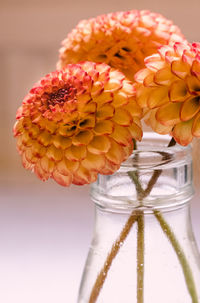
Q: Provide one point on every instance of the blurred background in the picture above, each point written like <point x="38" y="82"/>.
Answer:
<point x="45" y="230"/>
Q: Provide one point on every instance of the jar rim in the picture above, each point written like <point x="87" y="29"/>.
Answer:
<point x="173" y="187"/>
<point x="157" y="153"/>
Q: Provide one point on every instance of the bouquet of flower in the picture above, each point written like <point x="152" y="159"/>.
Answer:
<point x="85" y="118"/>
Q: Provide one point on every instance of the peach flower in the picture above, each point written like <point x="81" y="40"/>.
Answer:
<point x="78" y="122"/>
<point x="169" y="89"/>
<point x="121" y="40"/>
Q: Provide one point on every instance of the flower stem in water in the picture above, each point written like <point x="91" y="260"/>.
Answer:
<point x="140" y="258"/>
<point x="180" y="254"/>
<point x="114" y="250"/>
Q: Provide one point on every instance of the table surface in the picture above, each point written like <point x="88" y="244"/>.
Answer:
<point x="45" y="232"/>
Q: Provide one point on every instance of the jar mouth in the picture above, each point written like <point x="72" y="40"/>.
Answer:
<point x="153" y="157"/>
<point x="153" y="152"/>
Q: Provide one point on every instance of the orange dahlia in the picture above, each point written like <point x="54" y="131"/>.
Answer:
<point x="169" y="87"/>
<point x="121" y="40"/>
<point x="78" y="122"/>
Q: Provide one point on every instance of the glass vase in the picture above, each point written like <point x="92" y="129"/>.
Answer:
<point x="143" y="249"/>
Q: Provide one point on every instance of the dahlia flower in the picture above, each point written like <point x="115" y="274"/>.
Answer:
<point x="121" y="40"/>
<point x="169" y="88"/>
<point x="78" y="122"/>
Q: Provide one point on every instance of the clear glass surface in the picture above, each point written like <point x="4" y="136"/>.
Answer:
<point x="171" y="262"/>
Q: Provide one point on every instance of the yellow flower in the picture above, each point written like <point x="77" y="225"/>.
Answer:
<point x="78" y="122"/>
<point x="121" y="40"/>
<point x="169" y="87"/>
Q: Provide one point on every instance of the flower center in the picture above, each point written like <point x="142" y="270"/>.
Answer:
<point x="62" y="95"/>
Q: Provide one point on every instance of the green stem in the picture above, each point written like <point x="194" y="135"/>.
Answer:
<point x="156" y="174"/>
<point x="140" y="234"/>
<point x="140" y="258"/>
<point x="114" y="250"/>
<point x="135" y="178"/>
<point x="169" y="233"/>
<point x="180" y="254"/>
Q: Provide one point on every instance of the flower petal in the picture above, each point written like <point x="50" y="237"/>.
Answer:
<point x="87" y="122"/>
<point x="169" y="114"/>
<point x="193" y="84"/>
<point x="163" y="76"/>
<point x="122" y="117"/>
<point x="178" y="91"/>
<point x="170" y="56"/>
<point x="109" y="168"/>
<point x="34" y="131"/>
<point x="18" y="128"/>
<point x="142" y="95"/>
<point x="61" y="142"/>
<point x="141" y="75"/>
<point x="47" y="165"/>
<point x="180" y="48"/>
<point x="76" y="153"/>
<point x="119" y="99"/>
<point x="42" y="175"/>
<point x="94" y="162"/>
<point x="72" y="165"/>
<point x="113" y="85"/>
<point x="104" y="127"/>
<point x="26" y="164"/>
<point x="157" y="97"/>
<point x="134" y="109"/>
<point x="103" y="99"/>
<point x="89" y="108"/>
<point x="128" y="88"/>
<point x="155" y="125"/>
<point x="61" y="179"/>
<point x="26" y="122"/>
<point x="97" y="88"/>
<point x="67" y="130"/>
<point x="44" y="138"/>
<point x="62" y="167"/>
<point x="26" y="140"/>
<point x="196" y="126"/>
<point x="38" y="150"/>
<point x="116" y="153"/>
<point x="182" y="132"/>
<point x="54" y="153"/>
<point x="136" y="131"/>
<point x="121" y="135"/>
<point x="99" y="145"/>
<point x="180" y="69"/>
<point x="83" y="99"/>
<point x="82" y="138"/>
<point x="195" y="69"/>
<point x="149" y="81"/>
<point x="128" y="150"/>
<point x="190" y="108"/>
<point x="84" y="176"/>
<point x="154" y="62"/>
<point x="105" y="112"/>
<point x="29" y="156"/>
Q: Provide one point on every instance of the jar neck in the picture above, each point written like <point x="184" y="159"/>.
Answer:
<point x="154" y="177"/>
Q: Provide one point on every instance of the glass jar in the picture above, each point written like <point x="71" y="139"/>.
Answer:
<point x="143" y="249"/>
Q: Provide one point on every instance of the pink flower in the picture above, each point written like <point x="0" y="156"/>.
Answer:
<point x="78" y="122"/>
